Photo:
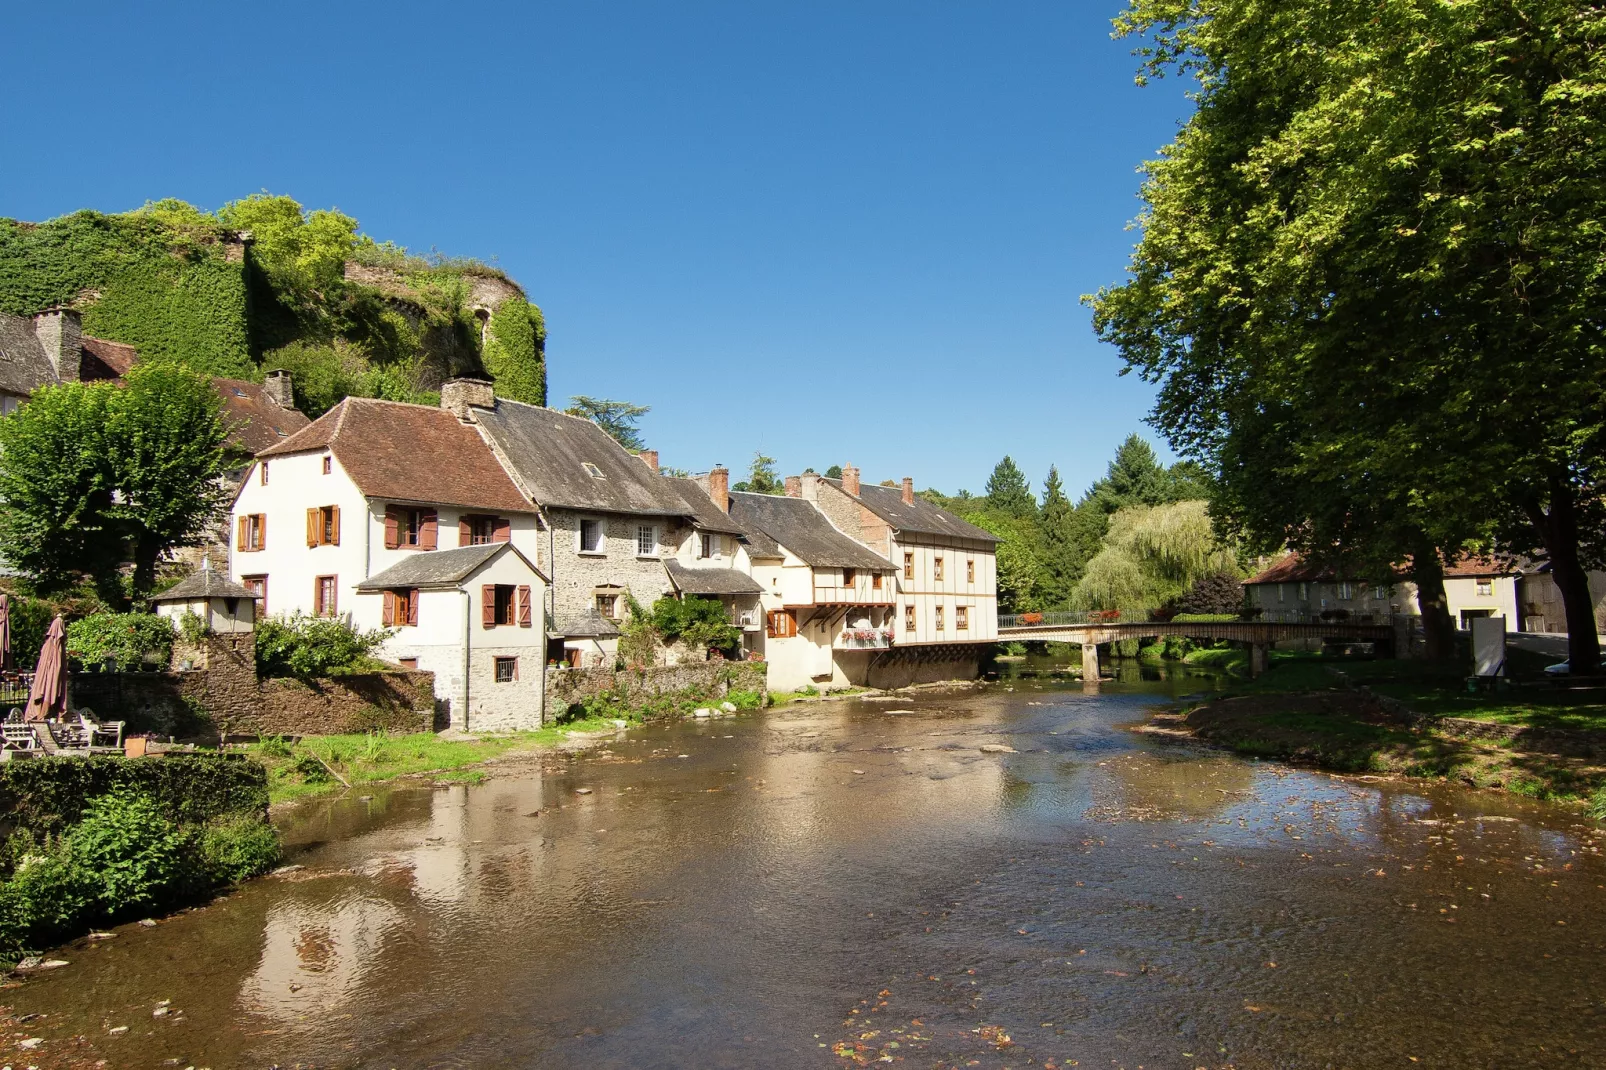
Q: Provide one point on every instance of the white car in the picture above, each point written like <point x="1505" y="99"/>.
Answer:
<point x="1562" y="668"/>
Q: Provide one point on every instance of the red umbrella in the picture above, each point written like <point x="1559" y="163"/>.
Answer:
<point x="5" y="631"/>
<point x="49" y="694"/>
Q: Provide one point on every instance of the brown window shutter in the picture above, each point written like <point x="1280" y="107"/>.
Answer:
<point x="389" y="618"/>
<point x="515" y="670"/>
<point x="392" y="528"/>
<point x="262" y="532"/>
<point x="501" y="529"/>
<point x="465" y="530"/>
<point x="240" y="542"/>
<point x="427" y="531"/>
<point x="312" y="527"/>
<point x="488" y="605"/>
<point x="524" y="607"/>
<point x="335" y="525"/>
<point x="412" y="607"/>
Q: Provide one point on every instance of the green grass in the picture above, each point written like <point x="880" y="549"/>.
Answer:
<point x="297" y="771"/>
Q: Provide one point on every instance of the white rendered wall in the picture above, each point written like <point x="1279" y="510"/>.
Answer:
<point x="925" y="592"/>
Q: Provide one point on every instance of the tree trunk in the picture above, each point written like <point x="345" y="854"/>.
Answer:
<point x="1438" y="630"/>
<point x="1558" y="533"/>
<point x="146" y="557"/>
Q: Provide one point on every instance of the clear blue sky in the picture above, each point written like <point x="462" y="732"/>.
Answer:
<point x="835" y="232"/>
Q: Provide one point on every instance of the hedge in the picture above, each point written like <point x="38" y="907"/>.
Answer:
<point x="47" y="795"/>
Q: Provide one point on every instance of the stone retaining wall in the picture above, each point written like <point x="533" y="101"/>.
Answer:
<point x="567" y="687"/>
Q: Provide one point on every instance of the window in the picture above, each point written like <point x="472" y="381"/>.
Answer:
<point x="499" y="604"/>
<point x="407" y="663"/>
<point x="875" y="582"/>
<point x="410" y="529"/>
<point x="262" y="474"/>
<point x="401" y="608"/>
<point x="1486" y="588"/>
<point x="908" y="566"/>
<point x="909" y="617"/>
<point x="253" y="534"/>
<point x="592" y="470"/>
<point x="961" y="618"/>
<point x="507" y="670"/>
<point x="257" y="585"/>
<point x="849" y="576"/>
<point x="1282" y="592"/>
<point x="323" y="526"/>
<point x="646" y="540"/>
<point x="590" y="536"/>
<point x="474" y="529"/>
<point x="970" y="572"/>
<point x="939" y="618"/>
<point x="1345" y="592"/>
<point x="711" y="545"/>
<point x="1380" y="592"/>
<point x="328" y="465"/>
<point x="325" y="596"/>
<point x="936" y="567"/>
<point x="781" y="624"/>
<point x="1304" y="591"/>
<point x="608" y="606"/>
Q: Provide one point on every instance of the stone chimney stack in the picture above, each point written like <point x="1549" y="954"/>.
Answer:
<point x="60" y="331"/>
<point x="794" y="486"/>
<point x="850" y="479"/>
<point x="649" y="458"/>
<point x="809" y="486"/>
<point x="458" y="394"/>
<point x="908" y="491"/>
<point x="719" y="487"/>
<point x="278" y="388"/>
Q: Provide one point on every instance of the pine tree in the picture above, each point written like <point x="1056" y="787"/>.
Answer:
<point x="1135" y="477"/>
<point x="1008" y="492"/>
<point x="1061" y="560"/>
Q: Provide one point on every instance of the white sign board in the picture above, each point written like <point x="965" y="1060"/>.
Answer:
<point x="1488" y="646"/>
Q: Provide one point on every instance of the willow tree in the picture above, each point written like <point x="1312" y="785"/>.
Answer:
<point x="1370" y="281"/>
<point x="1152" y="556"/>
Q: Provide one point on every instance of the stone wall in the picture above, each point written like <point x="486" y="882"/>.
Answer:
<point x="369" y="702"/>
<point x="906" y="666"/>
<point x="576" y="576"/>
<point x="567" y="687"/>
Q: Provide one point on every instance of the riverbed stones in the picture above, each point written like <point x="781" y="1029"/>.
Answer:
<point x="728" y="707"/>
<point x="582" y="791"/>
<point x="997" y="748"/>
<point x="702" y="712"/>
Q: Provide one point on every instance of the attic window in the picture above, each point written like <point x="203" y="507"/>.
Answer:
<point x="280" y="432"/>
<point x="592" y="470"/>
<point x="239" y="393"/>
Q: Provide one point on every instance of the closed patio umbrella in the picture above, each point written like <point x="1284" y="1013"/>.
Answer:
<point x="49" y="695"/>
<point x="5" y="632"/>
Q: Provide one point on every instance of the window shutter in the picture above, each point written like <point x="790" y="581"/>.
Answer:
<point x="240" y="542"/>
<point x="392" y="528"/>
<point x="334" y="531"/>
<point x="389" y="618"/>
<point x="412" y="607"/>
<point x="465" y="531"/>
<point x="488" y="605"/>
<point x="312" y="527"/>
<point x="524" y="607"/>
<point x="427" y="530"/>
<point x="262" y="532"/>
<point x="501" y="529"/>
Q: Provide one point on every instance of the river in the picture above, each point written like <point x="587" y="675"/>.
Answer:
<point x="851" y="882"/>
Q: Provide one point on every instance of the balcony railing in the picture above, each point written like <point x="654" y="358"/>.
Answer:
<point x="863" y="639"/>
<point x="1075" y="618"/>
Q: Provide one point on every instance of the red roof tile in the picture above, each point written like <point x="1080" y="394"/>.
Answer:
<point x="409" y="453"/>
<point x="105" y="360"/>
<point x="256" y="422"/>
<point x="1294" y="569"/>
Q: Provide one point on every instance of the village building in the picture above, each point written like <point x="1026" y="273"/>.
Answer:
<point x="395" y="516"/>
<point x="1293" y="589"/>
<point x="1541" y="604"/>
<point x="712" y="559"/>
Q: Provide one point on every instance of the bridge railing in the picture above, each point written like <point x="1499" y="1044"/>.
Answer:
<point x="1084" y="618"/>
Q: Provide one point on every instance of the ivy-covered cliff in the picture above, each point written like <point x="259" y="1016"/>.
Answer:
<point x="262" y="284"/>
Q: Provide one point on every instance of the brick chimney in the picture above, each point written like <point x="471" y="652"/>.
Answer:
<point x="794" y="486"/>
<point x="649" y="458"/>
<point x="61" y="333"/>
<point x="458" y="394"/>
<point x="908" y="491"/>
<point x="719" y="487"/>
<point x="850" y="479"/>
<point x="278" y="388"/>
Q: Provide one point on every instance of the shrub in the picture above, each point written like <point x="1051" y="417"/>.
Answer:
<point x="44" y="796"/>
<point x="131" y="639"/>
<point x="305" y="647"/>
<point x="745" y="700"/>
<point x="132" y="857"/>
<point x="1221" y="592"/>
<point x="237" y="848"/>
<point x="700" y="623"/>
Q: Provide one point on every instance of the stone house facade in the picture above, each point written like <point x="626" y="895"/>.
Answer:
<point x="1294" y="589"/>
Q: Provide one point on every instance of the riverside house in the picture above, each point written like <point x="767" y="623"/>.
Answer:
<point x="1295" y="588"/>
<point x="399" y="516"/>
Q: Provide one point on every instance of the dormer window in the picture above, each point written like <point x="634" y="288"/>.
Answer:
<point x="239" y="393"/>
<point x="592" y="470"/>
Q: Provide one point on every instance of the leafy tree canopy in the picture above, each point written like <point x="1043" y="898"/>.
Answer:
<point x="762" y="477"/>
<point x="618" y="418"/>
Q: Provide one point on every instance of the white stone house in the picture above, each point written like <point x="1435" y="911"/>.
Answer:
<point x="222" y="606"/>
<point x="372" y="484"/>
<point x="712" y="558"/>
<point x="1294" y="589"/>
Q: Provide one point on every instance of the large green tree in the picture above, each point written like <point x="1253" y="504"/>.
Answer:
<point x="1008" y="492"/>
<point x="1370" y="280"/>
<point x="618" y="418"/>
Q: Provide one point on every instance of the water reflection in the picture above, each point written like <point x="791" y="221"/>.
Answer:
<point x="316" y="955"/>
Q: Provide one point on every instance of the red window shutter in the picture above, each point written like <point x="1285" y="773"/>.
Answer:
<point x="412" y="607"/>
<point x="334" y="526"/>
<point x="501" y="529"/>
<point x="524" y="607"/>
<point x="312" y="528"/>
<point x="465" y="531"/>
<point x="427" y="527"/>
<point x="392" y="528"/>
<point x="389" y="618"/>
<point x="488" y="605"/>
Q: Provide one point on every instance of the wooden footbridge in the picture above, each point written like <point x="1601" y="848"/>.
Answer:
<point x="1090" y="630"/>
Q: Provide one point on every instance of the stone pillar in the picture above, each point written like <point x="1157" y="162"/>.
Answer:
<point x="1090" y="666"/>
<point x="1257" y="659"/>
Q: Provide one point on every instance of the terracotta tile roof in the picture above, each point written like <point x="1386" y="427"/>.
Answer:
<point x="1294" y="569"/>
<point x="409" y="453"/>
<point x="105" y="360"/>
<point x="256" y="422"/>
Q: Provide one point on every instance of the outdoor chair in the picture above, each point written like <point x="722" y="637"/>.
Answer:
<point x="100" y="733"/>
<point x="19" y="735"/>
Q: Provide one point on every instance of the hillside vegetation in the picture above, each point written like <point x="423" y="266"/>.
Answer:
<point x="262" y="283"/>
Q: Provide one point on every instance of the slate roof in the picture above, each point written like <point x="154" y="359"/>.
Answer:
<point x="438" y="568"/>
<point x="256" y="422"/>
<point x="24" y="367"/>
<point x="801" y="528"/>
<point x="409" y="453"/>
<point x="711" y="580"/>
<point x="204" y="584"/>
<point x="548" y="451"/>
<point x="704" y="513"/>
<point x="590" y="625"/>
<point x="921" y="518"/>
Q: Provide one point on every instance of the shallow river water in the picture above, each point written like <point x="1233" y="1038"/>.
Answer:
<point x="858" y="881"/>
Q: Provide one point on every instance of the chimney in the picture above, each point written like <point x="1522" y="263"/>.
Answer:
<point x="809" y="487"/>
<point x="908" y="491"/>
<point x="719" y="487"/>
<point x="649" y="458"/>
<point x="850" y="479"/>
<point x="278" y="388"/>
<point x="458" y="394"/>
<point x="61" y="334"/>
<point x="794" y="486"/>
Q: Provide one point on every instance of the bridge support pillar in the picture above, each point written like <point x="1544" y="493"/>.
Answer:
<point x="1090" y="666"/>
<point x="1257" y="659"/>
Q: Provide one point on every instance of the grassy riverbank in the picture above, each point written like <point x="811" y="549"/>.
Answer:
<point x="1533" y="737"/>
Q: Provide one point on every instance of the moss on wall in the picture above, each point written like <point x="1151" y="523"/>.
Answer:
<point x="515" y="351"/>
